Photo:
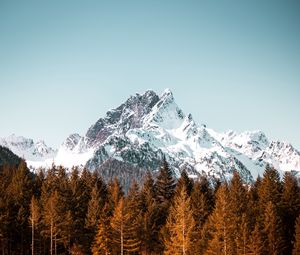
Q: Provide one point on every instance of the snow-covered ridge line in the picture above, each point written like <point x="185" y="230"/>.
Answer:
<point x="27" y="148"/>
<point x="148" y="127"/>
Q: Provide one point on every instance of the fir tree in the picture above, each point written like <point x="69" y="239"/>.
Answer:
<point x="34" y="219"/>
<point x="180" y="225"/>
<point x="115" y="193"/>
<point x="290" y="208"/>
<point x="270" y="188"/>
<point x="165" y="184"/>
<point x="184" y="182"/>
<point x="273" y="230"/>
<point x="257" y="242"/>
<point x="123" y="230"/>
<point x="150" y="241"/>
<point x="202" y="206"/>
<point x="238" y="213"/>
<point x="220" y="225"/>
<point x="102" y="241"/>
<point x="296" y="246"/>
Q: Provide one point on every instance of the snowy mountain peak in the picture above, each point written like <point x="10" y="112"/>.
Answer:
<point x="167" y="93"/>
<point x="165" y="113"/>
<point x="72" y="141"/>
<point x="128" y="115"/>
<point x="146" y="128"/>
<point x="27" y="148"/>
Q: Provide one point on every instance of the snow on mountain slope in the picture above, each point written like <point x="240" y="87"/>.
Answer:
<point x="282" y="156"/>
<point x="27" y="148"/>
<point x="148" y="127"/>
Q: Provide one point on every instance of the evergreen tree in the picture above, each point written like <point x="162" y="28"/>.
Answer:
<point x="220" y="225"/>
<point x="95" y="206"/>
<point x="270" y="188"/>
<point x="79" y="199"/>
<point x="202" y="202"/>
<point x="273" y="229"/>
<point x="290" y="208"/>
<point x="20" y="191"/>
<point x="184" y="182"/>
<point x="34" y="219"/>
<point x="257" y="242"/>
<point x="102" y="241"/>
<point x="242" y="237"/>
<point x="115" y="193"/>
<point x="51" y="220"/>
<point x="238" y="215"/>
<point x="296" y="248"/>
<point x="180" y="225"/>
<point x="123" y="231"/>
<point x="165" y="184"/>
<point x="150" y="241"/>
<point x="133" y="208"/>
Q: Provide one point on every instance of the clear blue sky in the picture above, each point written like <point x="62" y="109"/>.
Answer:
<point x="232" y="64"/>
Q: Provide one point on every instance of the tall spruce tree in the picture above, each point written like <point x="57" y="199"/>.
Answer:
<point x="296" y="243"/>
<point x="177" y="233"/>
<point x="34" y="220"/>
<point x="165" y="183"/>
<point x="270" y="188"/>
<point x="150" y="243"/>
<point x="80" y="196"/>
<point x="202" y="202"/>
<point x="274" y="231"/>
<point x="102" y="244"/>
<point x="123" y="230"/>
<point x="184" y="182"/>
<point x="220" y="225"/>
<point x="257" y="242"/>
<point x="238" y="213"/>
<point x="290" y="208"/>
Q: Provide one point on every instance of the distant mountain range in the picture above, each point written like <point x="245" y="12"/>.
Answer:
<point x="148" y="127"/>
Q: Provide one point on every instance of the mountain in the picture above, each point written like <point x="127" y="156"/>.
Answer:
<point x="7" y="157"/>
<point x="27" y="148"/>
<point x="146" y="128"/>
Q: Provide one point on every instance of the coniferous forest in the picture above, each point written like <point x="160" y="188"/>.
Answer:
<point x="77" y="212"/>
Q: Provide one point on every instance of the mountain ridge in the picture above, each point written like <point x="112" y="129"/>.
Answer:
<point x="147" y="127"/>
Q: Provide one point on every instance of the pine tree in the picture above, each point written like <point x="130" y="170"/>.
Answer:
<point x="202" y="202"/>
<point x="118" y="225"/>
<point x="95" y="207"/>
<point x="290" y="208"/>
<point x="134" y="211"/>
<point x="180" y="225"/>
<point x="270" y="188"/>
<point x="150" y="241"/>
<point x="220" y="224"/>
<point x="115" y="193"/>
<point x="257" y="243"/>
<point x="184" y="182"/>
<point x="296" y="248"/>
<point x="242" y="237"/>
<point x="79" y="199"/>
<point x="51" y="215"/>
<point x="34" y="219"/>
<point x="238" y="213"/>
<point x="19" y="191"/>
<point x="102" y="241"/>
<point x="165" y="184"/>
<point x="273" y="230"/>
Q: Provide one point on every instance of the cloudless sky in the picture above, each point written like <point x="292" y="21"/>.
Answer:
<point x="232" y="64"/>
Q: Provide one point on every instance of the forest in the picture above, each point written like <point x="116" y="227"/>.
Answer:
<point x="60" y="211"/>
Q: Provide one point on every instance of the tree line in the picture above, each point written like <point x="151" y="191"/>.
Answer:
<point x="60" y="212"/>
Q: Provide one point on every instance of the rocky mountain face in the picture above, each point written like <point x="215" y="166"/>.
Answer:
<point x="148" y="127"/>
